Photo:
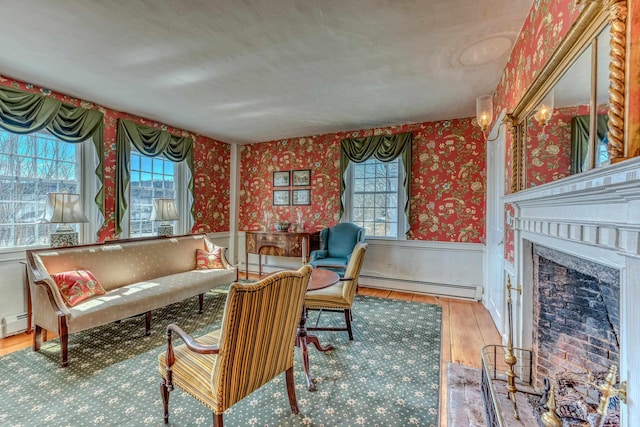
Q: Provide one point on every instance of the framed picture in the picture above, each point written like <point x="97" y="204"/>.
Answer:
<point x="301" y="177"/>
<point x="281" y="179"/>
<point x="301" y="197"/>
<point x="281" y="198"/>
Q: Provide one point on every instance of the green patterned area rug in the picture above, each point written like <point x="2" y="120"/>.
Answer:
<point x="388" y="376"/>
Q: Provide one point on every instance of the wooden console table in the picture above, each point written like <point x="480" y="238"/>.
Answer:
<point x="278" y="243"/>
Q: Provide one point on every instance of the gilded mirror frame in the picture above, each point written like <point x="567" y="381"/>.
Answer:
<point x="596" y="14"/>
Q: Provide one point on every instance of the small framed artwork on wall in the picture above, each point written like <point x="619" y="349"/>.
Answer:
<point x="301" y="177"/>
<point x="281" y="198"/>
<point x="301" y="197"/>
<point x="281" y="179"/>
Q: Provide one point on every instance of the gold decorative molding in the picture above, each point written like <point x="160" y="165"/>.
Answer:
<point x="618" y="21"/>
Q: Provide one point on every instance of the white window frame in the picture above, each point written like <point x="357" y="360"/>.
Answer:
<point x="348" y="201"/>
<point x="183" y="200"/>
<point x="87" y="161"/>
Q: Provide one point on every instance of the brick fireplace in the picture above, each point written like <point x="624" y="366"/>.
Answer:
<point x="577" y="258"/>
<point x="576" y="318"/>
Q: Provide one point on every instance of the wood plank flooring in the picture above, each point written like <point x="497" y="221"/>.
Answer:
<point x="466" y="328"/>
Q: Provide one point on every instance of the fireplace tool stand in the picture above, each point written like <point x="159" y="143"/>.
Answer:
<point x="510" y="358"/>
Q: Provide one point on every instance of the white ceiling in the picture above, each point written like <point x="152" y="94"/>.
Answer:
<point x="243" y="71"/>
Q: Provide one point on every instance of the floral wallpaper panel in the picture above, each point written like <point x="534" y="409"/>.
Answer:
<point x="211" y="168"/>
<point x="548" y="148"/>
<point x="447" y="192"/>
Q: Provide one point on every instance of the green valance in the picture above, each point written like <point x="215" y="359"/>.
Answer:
<point x="385" y="148"/>
<point x="150" y="142"/>
<point x="24" y="112"/>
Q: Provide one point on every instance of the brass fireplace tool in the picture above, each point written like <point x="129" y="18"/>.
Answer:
<point x="509" y="358"/>
<point x="549" y="418"/>
<point x="608" y="390"/>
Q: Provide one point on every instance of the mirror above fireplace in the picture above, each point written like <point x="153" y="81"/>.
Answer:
<point x="571" y="119"/>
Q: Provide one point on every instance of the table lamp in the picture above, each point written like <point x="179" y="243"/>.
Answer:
<point x="164" y="210"/>
<point x="64" y="209"/>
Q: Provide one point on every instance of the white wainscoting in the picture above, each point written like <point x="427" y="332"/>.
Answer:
<point x="446" y="269"/>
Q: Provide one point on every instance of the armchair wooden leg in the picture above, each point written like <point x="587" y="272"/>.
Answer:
<point x="291" y="391"/>
<point x="217" y="420"/>
<point x="164" y="391"/>
<point x="347" y="318"/>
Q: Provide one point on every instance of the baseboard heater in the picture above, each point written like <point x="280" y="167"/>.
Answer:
<point x="12" y="325"/>
<point x="463" y="292"/>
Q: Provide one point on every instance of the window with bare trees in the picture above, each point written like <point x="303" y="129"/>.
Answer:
<point x="31" y="166"/>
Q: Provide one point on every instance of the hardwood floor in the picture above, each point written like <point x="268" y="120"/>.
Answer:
<point x="466" y="328"/>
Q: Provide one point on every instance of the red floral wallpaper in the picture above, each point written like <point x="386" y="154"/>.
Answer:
<point x="509" y="212"/>
<point x="211" y="168"/>
<point x="548" y="149"/>
<point x="447" y="192"/>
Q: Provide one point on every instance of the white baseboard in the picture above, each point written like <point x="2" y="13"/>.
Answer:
<point x="471" y="293"/>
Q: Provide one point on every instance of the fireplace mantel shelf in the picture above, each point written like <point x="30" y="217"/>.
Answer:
<point x="615" y="183"/>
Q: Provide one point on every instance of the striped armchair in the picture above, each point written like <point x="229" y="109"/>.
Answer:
<point x="254" y="345"/>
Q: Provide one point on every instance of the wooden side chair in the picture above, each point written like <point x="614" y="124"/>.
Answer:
<point x="339" y="297"/>
<point x="254" y="345"/>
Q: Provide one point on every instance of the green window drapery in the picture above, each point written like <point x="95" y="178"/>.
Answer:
<point x="385" y="148"/>
<point x="580" y="128"/>
<point x="24" y="112"/>
<point x="149" y="142"/>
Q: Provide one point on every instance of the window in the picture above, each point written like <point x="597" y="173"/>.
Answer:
<point x="151" y="178"/>
<point x="374" y="199"/>
<point x="31" y="166"/>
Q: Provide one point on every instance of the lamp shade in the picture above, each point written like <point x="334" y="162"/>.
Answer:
<point x="164" y="210"/>
<point x="484" y="111"/>
<point x="64" y="208"/>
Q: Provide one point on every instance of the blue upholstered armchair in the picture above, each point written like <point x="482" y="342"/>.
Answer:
<point x="337" y="244"/>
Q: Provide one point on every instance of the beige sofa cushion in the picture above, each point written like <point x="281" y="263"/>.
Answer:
<point x="144" y="296"/>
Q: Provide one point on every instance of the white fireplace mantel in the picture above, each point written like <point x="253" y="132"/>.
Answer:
<point x="596" y="216"/>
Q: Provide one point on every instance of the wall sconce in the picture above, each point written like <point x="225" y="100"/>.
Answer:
<point x="164" y="210"/>
<point x="484" y="112"/>
<point x="545" y="110"/>
<point x="484" y="116"/>
<point x="64" y="209"/>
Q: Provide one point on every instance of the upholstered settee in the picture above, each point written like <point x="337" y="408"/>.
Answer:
<point x="135" y="276"/>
